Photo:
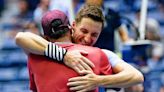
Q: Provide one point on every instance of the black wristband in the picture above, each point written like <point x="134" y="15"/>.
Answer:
<point x="55" y="52"/>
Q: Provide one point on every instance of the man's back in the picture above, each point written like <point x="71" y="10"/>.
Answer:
<point x="49" y="76"/>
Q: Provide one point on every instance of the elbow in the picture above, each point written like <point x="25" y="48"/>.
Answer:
<point x="19" y="38"/>
<point x="141" y="78"/>
<point x="138" y="77"/>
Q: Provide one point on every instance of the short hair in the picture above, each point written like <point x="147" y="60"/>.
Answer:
<point x="90" y="11"/>
<point x="58" y="31"/>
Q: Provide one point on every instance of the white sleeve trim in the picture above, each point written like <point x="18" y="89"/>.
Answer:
<point x="112" y="57"/>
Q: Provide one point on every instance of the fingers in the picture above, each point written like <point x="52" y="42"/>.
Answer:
<point x="88" y="62"/>
<point x="76" y="79"/>
<point x="77" y="87"/>
<point x="80" y="84"/>
<point x="80" y="66"/>
<point x="85" y="66"/>
<point x="85" y="72"/>
<point x="78" y="62"/>
<point x="77" y="69"/>
<point x="76" y="83"/>
<point x="83" y="52"/>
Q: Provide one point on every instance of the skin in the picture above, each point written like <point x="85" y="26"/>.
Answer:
<point x="121" y="30"/>
<point x="88" y="35"/>
<point x="122" y="77"/>
<point x="86" y="32"/>
<point x="35" y="44"/>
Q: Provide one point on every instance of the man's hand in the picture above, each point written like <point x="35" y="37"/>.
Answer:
<point x="84" y="83"/>
<point x="76" y="60"/>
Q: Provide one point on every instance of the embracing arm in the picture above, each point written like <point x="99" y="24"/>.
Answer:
<point x="32" y="43"/>
<point x="125" y="76"/>
<point x="124" y="34"/>
<point x="35" y="44"/>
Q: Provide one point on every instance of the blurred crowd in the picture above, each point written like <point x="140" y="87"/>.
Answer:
<point x="25" y="15"/>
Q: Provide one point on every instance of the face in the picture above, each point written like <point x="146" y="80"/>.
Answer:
<point x="45" y="2"/>
<point x="23" y="6"/>
<point x="86" y="32"/>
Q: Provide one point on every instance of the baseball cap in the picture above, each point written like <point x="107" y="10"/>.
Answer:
<point x="52" y="20"/>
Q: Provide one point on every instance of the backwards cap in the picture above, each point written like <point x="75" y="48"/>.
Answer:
<point x="52" y="20"/>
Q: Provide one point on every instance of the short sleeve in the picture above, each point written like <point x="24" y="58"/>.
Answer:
<point x="112" y="57"/>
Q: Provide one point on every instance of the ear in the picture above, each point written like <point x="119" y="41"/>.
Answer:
<point x="73" y="23"/>
<point x="73" y="27"/>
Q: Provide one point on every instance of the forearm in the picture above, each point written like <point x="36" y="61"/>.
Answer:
<point x="123" y="33"/>
<point x="32" y="43"/>
<point x="117" y="81"/>
<point x="127" y="77"/>
<point x="35" y="44"/>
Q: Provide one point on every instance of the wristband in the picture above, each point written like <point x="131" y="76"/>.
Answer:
<point x="55" y="52"/>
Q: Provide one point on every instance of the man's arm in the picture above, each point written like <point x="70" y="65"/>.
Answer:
<point x="128" y="76"/>
<point x="125" y="76"/>
<point x="35" y="44"/>
<point x="32" y="43"/>
<point x="123" y="69"/>
<point x="123" y="33"/>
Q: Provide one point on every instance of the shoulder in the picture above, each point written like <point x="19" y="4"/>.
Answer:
<point x="109" y="53"/>
<point x="112" y="57"/>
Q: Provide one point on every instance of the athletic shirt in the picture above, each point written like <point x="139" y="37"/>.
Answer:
<point x="112" y="57"/>
<point x="49" y="76"/>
